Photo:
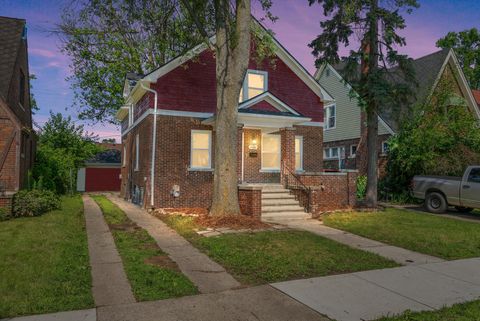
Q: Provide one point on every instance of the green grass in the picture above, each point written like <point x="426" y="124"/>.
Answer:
<point x="44" y="265"/>
<point x="460" y="312"/>
<point x="272" y="256"/>
<point x="438" y="236"/>
<point x="136" y="246"/>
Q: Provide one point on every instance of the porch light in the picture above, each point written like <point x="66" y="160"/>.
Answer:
<point x="253" y="145"/>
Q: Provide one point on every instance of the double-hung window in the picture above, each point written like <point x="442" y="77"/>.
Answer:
<point x="137" y="152"/>
<point x="271" y="152"/>
<point x="353" y="151"/>
<point x="255" y="83"/>
<point x="384" y="148"/>
<point x="330" y="116"/>
<point x="298" y="153"/>
<point x="330" y="153"/>
<point x="201" y="149"/>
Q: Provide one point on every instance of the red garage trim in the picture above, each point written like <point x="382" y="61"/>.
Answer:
<point x="102" y="179"/>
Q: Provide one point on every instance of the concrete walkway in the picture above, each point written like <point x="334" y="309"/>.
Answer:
<point x="109" y="282"/>
<point x="372" y="294"/>
<point x="397" y="254"/>
<point x="206" y="274"/>
<point x="77" y="315"/>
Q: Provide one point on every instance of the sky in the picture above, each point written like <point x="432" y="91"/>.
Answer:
<point x="298" y="25"/>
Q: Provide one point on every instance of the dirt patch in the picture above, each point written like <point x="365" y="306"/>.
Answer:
<point x="186" y="211"/>
<point x="162" y="261"/>
<point x="127" y="227"/>
<point x="235" y="222"/>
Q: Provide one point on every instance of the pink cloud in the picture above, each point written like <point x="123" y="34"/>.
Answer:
<point x="43" y="52"/>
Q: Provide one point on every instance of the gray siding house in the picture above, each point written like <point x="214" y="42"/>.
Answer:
<point x="343" y="121"/>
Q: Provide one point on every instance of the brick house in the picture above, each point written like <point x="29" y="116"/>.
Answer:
<point x="280" y="131"/>
<point x="17" y="138"/>
<point x="345" y="122"/>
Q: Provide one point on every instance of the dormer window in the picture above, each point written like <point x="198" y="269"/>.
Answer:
<point x="255" y="83"/>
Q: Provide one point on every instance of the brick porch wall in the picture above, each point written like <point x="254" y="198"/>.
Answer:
<point x="329" y="191"/>
<point x="6" y="202"/>
<point x="250" y="199"/>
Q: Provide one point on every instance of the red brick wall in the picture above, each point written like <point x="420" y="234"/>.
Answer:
<point x="331" y="191"/>
<point x="253" y="162"/>
<point x="312" y="147"/>
<point x="250" y="200"/>
<point x="6" y="202"/>
<point x="192" y="87"/>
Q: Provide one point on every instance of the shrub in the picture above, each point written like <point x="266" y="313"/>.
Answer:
<point x="34" y="203"/>
<point x="361" y="187"/>
<point x="4" y="214"/>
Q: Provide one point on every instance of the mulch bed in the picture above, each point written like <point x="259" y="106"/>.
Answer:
<point x="235" y="222"/>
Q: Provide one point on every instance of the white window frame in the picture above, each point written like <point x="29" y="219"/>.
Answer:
<point x="299" y="169"/>
<point x="272" y="169"/>
<point x="384" y="150"/>
<point x="199" y="131"/>
<point x="326" y="120"/>
<point x="330" y="153"/>
<point x="124" y="163"/>
<point x="353" y="155"/>
<point x="137" y="153"/>
<point x="244" y="93"/>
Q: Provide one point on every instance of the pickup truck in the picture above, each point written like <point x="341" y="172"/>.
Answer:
<point x="441" y="191"/>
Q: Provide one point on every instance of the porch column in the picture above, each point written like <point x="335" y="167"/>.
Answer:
<point x="240" y="151"/>
<point x="287" y="138"/>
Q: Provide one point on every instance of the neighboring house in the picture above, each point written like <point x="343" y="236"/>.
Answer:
<point x="476" y="95"/>
<point x="344" y="122"/>
<point x="280" y="128"/>
<point x="17" y="138"/>
<point x="102" y="172"/>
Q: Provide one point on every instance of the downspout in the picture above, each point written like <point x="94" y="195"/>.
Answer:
<point x="154" y="143"/>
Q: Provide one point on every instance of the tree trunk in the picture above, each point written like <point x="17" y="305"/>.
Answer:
<point x="232" y="57"/>
<point x="372" y="110"/>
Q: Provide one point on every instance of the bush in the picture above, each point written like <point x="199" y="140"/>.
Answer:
<point x="34" y="203"/>
<point x="361" y="187"/>
<point x="4" y="214"/>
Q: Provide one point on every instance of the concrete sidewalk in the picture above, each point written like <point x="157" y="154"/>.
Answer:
<point x="206" y="274"/>
<point x="372" y="294"/>
<point x="397" y="254"/>
<point x="109" y="281"/>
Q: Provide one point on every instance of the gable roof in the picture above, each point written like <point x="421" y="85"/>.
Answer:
<point x="11" y="31"/>
<point x="280" y="51"/>
<point x="272" y="100"/>
<point x="428" y="70"/>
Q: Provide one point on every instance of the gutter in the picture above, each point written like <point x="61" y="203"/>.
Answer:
<point x="154" y="142"/>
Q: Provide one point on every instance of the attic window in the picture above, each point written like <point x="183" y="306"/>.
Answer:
<point x="255" y="83"/>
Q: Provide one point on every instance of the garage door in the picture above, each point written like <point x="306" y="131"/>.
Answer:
<point x="102" y="179"/>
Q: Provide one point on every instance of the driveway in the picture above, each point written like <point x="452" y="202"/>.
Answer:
<point x="473" y="217"/>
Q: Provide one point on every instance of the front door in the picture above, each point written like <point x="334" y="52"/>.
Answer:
<point x="470" y="190"/>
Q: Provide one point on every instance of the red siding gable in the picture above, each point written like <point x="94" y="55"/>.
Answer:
<point x="263" y="106"/>
<point x="191" y="87"/>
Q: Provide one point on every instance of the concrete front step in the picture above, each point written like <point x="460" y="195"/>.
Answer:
<point x="282" y="208"/>
<point x="277" y="196"/>
<point x="280" y="201"/>
<point x="275" y="191"/>
<point x="285" y="216"/>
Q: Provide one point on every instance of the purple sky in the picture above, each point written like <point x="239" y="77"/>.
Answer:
<point x="298" y="24"/>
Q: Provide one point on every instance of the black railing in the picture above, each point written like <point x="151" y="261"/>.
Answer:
<point x="294" y="183"/>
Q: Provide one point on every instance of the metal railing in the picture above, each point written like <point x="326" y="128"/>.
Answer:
<point x="293" y="182"/>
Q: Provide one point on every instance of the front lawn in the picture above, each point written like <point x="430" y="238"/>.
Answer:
<point x="459" y="312"/>
<point x="273" y="256"/>
<point x="434" y="235"/>
<point x="44" y="265"/>
<point x="152" y="275"/>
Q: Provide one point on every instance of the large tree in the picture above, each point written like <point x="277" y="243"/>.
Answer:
<point x="106" y="39"/>
<point x="232" y="22"/>
<point x="373" y="25"/>
<point x="467" y="47"/>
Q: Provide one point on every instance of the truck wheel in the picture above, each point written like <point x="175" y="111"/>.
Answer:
<point x="462" y="209"/>
<point x="435" y="203"/>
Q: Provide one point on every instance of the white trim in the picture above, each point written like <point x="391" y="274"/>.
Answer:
<point x="271" y="169"/>
<point x="243" y="156"/>
<point x="326" y="121"/>
<point x="299" y="169"/>
<point x="200" y="131"/>
<point x="137" y="153"/>
<point x="245" y="86"/>
<point x="194" y="114"/>
<point x="313" y="124"/>
<point x="331" y="157"/>
<point x="353" y="155"/>
<point x="269" y="98"/>
<point x="124" y="159"/>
